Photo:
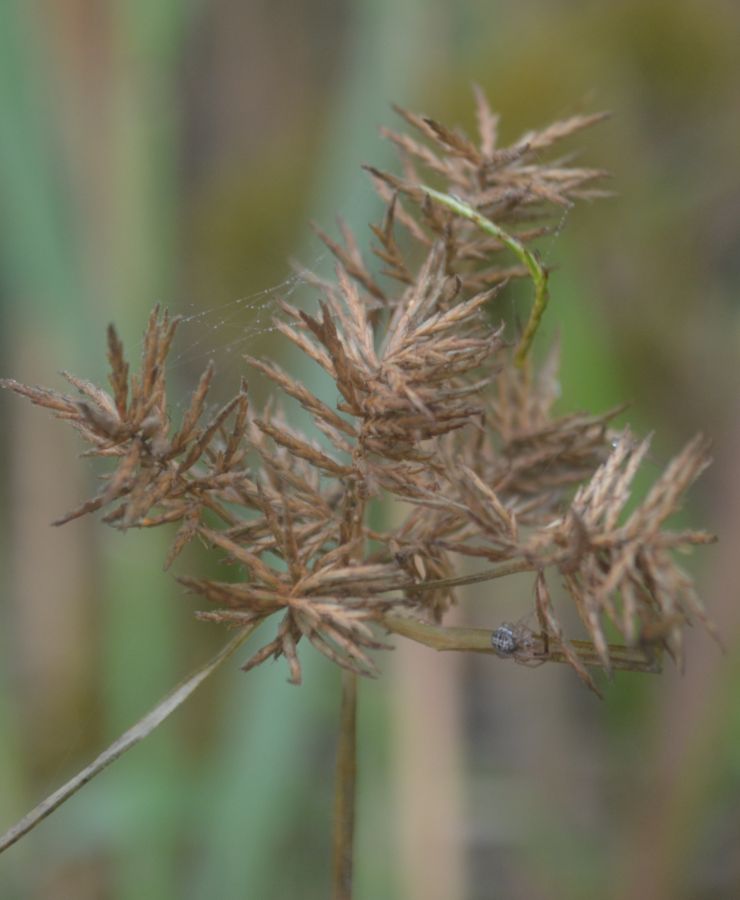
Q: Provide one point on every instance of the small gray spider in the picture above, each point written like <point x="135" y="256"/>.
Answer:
<point x="516" y="642"/>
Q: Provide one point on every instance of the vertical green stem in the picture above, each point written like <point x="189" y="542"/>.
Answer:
<point x="344" y="797"/>
<point x="536" y="270"/>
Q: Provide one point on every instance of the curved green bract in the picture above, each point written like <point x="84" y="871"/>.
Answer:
<point x="536" y="270"/>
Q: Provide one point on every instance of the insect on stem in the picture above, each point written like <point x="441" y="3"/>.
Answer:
<point x="519" y="643"/>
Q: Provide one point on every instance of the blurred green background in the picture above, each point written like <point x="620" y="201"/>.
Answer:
<point x="174" y="152"/>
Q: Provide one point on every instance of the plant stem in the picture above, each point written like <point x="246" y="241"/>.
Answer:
<point x="344" y="796"/>
<point x="143" y="728"/>
<point x="511" y="568"/>
<point x="478" y="640"/>
<point x="536" y="270"/>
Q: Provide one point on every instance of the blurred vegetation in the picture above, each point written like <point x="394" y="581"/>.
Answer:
<point x="174" y="153"/>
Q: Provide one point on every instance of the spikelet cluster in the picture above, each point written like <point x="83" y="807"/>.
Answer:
<point x="435" y="414"/>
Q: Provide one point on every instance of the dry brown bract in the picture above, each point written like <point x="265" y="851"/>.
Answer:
<point x="433" y="415"/>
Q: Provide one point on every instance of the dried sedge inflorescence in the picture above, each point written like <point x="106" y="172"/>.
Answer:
<point x="435" y="413"/>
